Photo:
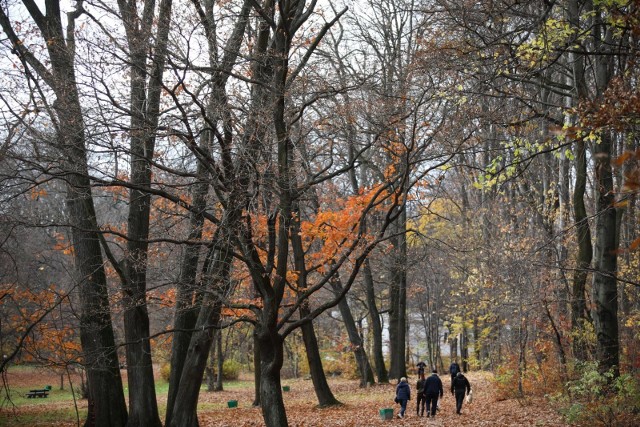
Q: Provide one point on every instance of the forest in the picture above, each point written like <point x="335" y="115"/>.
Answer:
<point x="310" y="189"/>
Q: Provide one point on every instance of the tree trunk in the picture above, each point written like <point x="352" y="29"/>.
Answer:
<point x="217" y="273"/>
<point x="320" y="385"/>
<point x="585" y="251"/>
<point x="145" y="108"/>
<point x="376" y="326"/>
<point x="364" y="368"/>
<point x="210" y="371"/>
<point x="398" y="292"/>
<point x="106" y="397"/>
<point x="107" y="406"/>
<point x="187" y="306"/>
<point x="271" y="359"/>
<point x="219" y="361"/>
<point x="256" y="369"/>
<point x="453" y="347"/>
<point x="464" y="349"/>
<point x="604" y="284"/>
<point x="579" y="316"/>
<point x="186" y="402"/>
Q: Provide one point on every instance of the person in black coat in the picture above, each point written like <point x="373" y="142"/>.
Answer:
<point x="454" y="368"/>
<point x="403" y="394"/>
<point x="421" y="398"/>
<point x="421" y="365"/>
<point x="433" y="389"/>
<point x="459" y="386"/>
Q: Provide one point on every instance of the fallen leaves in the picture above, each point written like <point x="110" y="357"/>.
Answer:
<point x="360" y="407"/>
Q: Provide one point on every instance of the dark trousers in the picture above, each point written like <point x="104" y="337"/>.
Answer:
<point x="421" y="403"/>
<point x="432" y="403"/>
<point x="459" y="400"/>
<point x="403" y="406"/>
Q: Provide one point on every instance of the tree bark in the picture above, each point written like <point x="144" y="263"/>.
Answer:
<point x="257" y="375"/>
<point x="145" y="108"/>
<point x="398" y="292"/>
<point x="186" y="400"/>
<point x="579" y="314"/>
<point x="106" y="397"/>
<point x="271" y="359"/>
<point x="605" y="286"/>
<point x="320" y="385"/>
<point x="219" y="361"/>
<point x="364" y="368"/>
<point x="376" y="326"/>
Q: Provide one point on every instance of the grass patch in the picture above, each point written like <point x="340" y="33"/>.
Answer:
<point x="50" y="416"/>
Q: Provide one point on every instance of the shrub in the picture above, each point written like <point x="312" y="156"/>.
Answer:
<point x="165" y="371"/>
<point x="340" y="364"/>
<point x="231" y="369"/>
<point x="597" y="399"/>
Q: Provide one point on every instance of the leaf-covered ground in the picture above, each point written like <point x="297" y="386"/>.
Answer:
<point x="360" y="407"/>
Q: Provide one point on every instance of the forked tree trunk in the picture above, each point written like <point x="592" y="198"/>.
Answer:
<point x="584" y="255"/>
<point x="271" y="358"/>
<point x="364" y="368"/>
<point x="376" y="324"/>
<point x="186" y="402"/>
<point x="146" y="85"/>
<point x="320" y="385"/>
<point x="579" y="317"/>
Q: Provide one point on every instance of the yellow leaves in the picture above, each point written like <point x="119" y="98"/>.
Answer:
<point x="538" y="50"/>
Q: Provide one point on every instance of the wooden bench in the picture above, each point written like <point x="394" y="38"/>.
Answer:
<point x="37" y="393"/>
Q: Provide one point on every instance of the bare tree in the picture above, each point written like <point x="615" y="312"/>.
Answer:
<point x="107" y="407"/>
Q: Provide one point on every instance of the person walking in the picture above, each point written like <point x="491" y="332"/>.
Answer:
<point x="403" y="395"/>
<point x="459" y="386"/>
<point x="421" y="365"/>
<point x="421" y="398"/>
<point x="433" y="389"/>
<point x="454" y="368"/>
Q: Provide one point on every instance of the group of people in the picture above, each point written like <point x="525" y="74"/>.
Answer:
<point x="430" y="389"/>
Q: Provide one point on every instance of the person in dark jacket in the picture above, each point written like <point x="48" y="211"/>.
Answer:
<point x="421" y="365"/>
<point x="459" y="386"/>
<point x="421" y="399"/>
<point x="433" y="389"/>
<point x="403" y="394"/>
<point x="454" y="368"/>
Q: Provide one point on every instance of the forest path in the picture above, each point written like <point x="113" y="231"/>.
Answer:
<point x="361" y="407"/>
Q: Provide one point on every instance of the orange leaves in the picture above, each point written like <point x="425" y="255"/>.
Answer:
<point x="166" y="299"/>
<point x="62" y="244"/>
<point x="335" y="228"/>
<point x="630" y="161"/>
<point x="632" y="172"/>
<point x="37" y="193"/>
<point x="35" y="320"/>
